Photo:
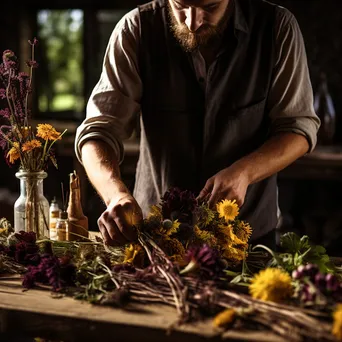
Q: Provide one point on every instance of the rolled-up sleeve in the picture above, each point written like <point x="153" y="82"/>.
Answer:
<point x="290" y="100"/>
<point x="115" y="100"/>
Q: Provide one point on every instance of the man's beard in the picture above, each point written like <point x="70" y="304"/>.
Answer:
<point x="190" y="41"/>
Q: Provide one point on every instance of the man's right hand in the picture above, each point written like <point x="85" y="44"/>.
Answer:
<point x="118" y="222"/>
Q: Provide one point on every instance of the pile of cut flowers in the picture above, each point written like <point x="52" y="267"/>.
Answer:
<point x="198" y="260"/>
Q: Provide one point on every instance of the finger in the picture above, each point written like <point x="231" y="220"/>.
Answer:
<point x="106" y="238"/>
<point x="205" y="192"/>
<point x="114" y="231"/>
<point x="214" y="198"/>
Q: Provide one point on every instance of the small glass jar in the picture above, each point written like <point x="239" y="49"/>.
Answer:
<point x="31" y="209"/>
<point x="62" y="226"/>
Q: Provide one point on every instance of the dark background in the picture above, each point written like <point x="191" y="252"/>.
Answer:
<point x="310" y="189"/>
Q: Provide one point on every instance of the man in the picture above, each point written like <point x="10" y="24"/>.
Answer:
<point x="225" y="100"/>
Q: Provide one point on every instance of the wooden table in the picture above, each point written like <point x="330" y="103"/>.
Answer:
<point x="37" y="313"/>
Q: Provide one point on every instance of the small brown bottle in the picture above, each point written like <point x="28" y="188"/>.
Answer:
<point x="62" y="226"/>
<point x="78" y="222"/>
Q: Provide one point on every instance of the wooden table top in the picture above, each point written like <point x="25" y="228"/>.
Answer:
<point x="37" y="313"/>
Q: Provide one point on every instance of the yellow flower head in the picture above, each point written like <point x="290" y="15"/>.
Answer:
<point x="224" y="318"/>
<point x="271" y="284"/>
<point x="14" y="153"/>
<point x="47" y="132"/>
<point x="134" y="254"/>
<point x="337" y="324"/>
<point x="228" y="209"/>
<point x="243" y="231"/>
<point x="233" y="254"/>
<point x="30" y="145"/>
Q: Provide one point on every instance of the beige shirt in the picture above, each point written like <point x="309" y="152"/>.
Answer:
<point x="115" y="100"/>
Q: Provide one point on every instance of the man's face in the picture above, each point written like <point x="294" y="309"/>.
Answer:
<point x="195" y="22"/>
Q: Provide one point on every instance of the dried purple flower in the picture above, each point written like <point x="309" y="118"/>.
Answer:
<point x="2" y="93"/>
<point x="47" y="272"/>
<point x="204" y="260"/>
<point x="5" y="113"/>
<point x="178" y="204"/>
<point x="32" y="64"/>
<point x="9" y="60"/>
<point x="29" y="237"/>
<point x="34" y="42"/>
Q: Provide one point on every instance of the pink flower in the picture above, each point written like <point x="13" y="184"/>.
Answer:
<point x="2" y="93"/>
<point x="34" y="42"/>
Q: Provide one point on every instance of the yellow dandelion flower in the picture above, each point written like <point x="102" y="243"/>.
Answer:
<point x="337" y="324"/>
<point x="14" y="153"/>
<point x="228" y="238"/>
<point x="133" y="254"/>
<point x="243" y="231"/>
<point x="228" y="209"/>
<point x="47" y="132"/>
<point x="271" y="284"/>
<point x="224" y="318"/>
<point x="31" y="145"/>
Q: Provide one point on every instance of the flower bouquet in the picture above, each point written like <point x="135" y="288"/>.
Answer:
<point x="32" y="147"/>
<point x="293" y="293"/>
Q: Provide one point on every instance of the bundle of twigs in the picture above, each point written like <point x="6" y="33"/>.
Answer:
<point x="193" y="297"/>
<point x="161" y="283"/>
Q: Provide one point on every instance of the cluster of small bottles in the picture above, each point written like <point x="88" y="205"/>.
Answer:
<point x="69" y="223"/>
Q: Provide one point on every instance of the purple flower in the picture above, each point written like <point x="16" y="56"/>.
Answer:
<point x="332" y="283"/>
<point x="203" y="259"/>
<point x="29" y="237"/>
<point x="9" y="60"/>
<point x="5" y="113"/>
<point x="34" y="42"/>
<point x="2" y="93"/>
<point x="178" y="204"/>
<point x="32" y="64"/>
<point x="51" y="271"/>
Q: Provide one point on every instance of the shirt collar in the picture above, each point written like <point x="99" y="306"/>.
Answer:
<point x="240" y="22"/>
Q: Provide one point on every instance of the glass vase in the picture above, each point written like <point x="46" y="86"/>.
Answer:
<point x="31" y="209"/>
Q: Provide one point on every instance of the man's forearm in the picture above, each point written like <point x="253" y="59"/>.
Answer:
<point x="277" y="153"/>
<point x="102" y="168"/>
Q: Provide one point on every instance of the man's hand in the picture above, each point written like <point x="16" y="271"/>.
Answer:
<point x="118" y="222"/>
<point x="230" y="183"/>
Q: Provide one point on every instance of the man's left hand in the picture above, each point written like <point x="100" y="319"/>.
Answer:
<point x="230" y="183"/>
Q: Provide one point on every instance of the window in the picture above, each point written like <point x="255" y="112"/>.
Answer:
<point x="60" y="69"/>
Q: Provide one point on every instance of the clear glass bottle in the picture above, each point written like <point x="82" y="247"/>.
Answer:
<point x="31" y="209"/>
<point x="324" y="108"/>
<point x="54" y="215"/>
<point x="62" y="226"/>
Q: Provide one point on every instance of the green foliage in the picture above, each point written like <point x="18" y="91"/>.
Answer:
<point x="298" y="251"/>
<point x="60" y="78"/>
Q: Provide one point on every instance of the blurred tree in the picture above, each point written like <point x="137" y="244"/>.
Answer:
<point x="60" y="82"/>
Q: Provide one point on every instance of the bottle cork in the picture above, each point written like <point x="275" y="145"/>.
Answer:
<point x="78" y="222"/>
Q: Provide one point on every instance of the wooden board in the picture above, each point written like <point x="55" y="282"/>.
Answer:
<point x="37" y="313"/>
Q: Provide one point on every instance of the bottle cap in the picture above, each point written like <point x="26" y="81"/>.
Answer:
<point x="54" y="200"/>
<point x="63" y="215"/>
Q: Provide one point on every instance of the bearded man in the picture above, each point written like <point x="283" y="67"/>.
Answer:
<point x="225" y="102"/>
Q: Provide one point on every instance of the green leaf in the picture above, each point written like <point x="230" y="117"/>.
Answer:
<point x="292" y="243"/>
